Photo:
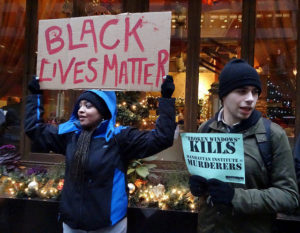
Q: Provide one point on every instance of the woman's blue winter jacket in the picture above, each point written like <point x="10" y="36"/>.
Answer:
<point x="102" y="199"/>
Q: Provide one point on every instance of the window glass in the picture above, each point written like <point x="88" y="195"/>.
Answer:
<point x="221" y="23"/>
<point x="12" y="31"/>
<point x="58" y="105"/>
<point x="130" y="108"/>
<point x="178" y="49"/>
<point x="177" y="68"/>
<point x="275" y="60"/>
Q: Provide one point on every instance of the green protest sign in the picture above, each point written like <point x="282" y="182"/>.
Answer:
<point x="211" y="155"/>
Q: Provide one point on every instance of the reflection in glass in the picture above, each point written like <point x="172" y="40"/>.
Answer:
<point x="58" y="105"/>
<point x="12" y="31"/>
<point x="178" y="49"/>
<point x="221" y="24"/>
<point x="55" y="102"/>
<point x="275" y="60"/>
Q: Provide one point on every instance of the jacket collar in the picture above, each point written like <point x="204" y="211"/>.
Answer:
<point x="100" y="131"/>
<point x="246" y="127"/>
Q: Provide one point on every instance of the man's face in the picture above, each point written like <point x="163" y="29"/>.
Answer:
<point x="239" y="104"/>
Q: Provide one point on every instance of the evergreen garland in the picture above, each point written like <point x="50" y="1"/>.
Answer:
<point x="130" y="110"/>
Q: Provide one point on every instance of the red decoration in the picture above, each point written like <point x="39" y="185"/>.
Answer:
<point x="60" y="184"/>
<point x="138" y="183"/>
<point x="209" y="2"/>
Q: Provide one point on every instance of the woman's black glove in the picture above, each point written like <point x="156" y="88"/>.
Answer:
<point x="220" y="191"/>
<point x="34" y="86"/>
<point x="198" y="185"/>
<point x="168" y="87"/>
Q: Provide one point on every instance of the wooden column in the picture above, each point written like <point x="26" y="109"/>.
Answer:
<point x="135" y="6"/>
<point x="248" y="30"/>
<point x="78" y="8"/>
<point x="75" y="10"/>
<point x="29" y="65"/>
<point x="297" y="112"/>
<point x="192" y="67"/>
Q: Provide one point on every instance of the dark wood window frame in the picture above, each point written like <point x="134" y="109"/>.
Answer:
<point x="297" y="113"/>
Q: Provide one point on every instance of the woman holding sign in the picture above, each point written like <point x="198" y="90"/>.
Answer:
<point x="270" y="183"/>
<point x="94" y="196"/>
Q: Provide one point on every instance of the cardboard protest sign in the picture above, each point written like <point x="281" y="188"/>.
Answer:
<point x="120" y="52"/>
<point x="219" y="156"/>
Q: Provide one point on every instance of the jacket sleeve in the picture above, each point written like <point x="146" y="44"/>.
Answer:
<point x="44" y="135"/>
<point x="136" y="143"/>
<point x="282" y="194"/>
<point x="297" y="159"/>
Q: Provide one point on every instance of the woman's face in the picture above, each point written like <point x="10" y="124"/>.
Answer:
<point x="88" y="115"/>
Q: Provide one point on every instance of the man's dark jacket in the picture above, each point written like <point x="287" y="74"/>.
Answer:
<point x="264" y="194"/>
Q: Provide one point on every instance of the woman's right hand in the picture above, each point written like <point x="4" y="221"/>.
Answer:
<point x="34" y="86"/>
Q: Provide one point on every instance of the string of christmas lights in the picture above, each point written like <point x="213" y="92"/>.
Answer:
<point x="279" y="104"/>
<point x="48" y="187"/>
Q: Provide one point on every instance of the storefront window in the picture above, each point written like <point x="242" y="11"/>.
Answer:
<point x="221" y="23"/>
<point x="165" y="187"/>
<point x="12" y="31"/>
<point x="58" y="105"/>
<point x="177" y="67"/>
<point x="275" y="60"/>
<point x="134" y="108"/>
<point x="178" y="49"/>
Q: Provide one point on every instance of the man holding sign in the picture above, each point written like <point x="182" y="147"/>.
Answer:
<point x="270" y="187"/>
